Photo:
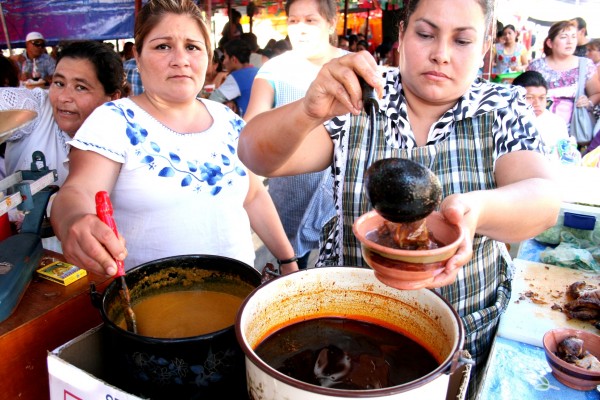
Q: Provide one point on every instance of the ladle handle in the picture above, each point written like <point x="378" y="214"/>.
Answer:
<point x="104" y="210"/>
<point x="369" y="97"/>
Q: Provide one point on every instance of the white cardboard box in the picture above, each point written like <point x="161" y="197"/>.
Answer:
<point x="76" y="369"/>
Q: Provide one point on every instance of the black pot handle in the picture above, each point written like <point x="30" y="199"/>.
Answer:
<point x="95" y="296"/>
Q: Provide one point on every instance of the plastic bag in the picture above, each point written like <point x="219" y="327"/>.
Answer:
<point x="573" y="253"/>
<point x="567" y="151"/>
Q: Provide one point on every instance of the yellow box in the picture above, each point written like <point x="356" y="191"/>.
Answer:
<point x="62" y="272"/>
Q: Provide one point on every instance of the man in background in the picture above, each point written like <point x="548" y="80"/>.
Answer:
<point x="582" y="39"/>
<point x="343" y="42"/>
<point x="235" y="91"/>
<point x="35" y="62"/>
<point x="133" y="76"/>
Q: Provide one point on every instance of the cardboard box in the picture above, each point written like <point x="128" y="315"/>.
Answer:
<point x="61" y="272"/>
<point x="77" y="371"/>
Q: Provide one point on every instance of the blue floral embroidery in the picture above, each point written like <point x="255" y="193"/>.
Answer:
<point x="203" y="173"/>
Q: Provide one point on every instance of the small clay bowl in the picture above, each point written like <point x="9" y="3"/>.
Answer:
<point x="570" y="374"/>
<point x="407" y="269"/>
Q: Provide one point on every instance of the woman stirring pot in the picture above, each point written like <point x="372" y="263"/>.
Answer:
<point x="169" y="162"/>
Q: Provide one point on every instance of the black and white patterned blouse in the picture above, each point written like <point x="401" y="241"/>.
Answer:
<point x="489" y="121"/>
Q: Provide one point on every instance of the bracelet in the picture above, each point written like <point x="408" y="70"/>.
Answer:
<point x="288" y="261"/>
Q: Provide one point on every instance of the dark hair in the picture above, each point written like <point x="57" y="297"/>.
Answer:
<point x="363" y="43"/>
<point x="281" y="46"/>
<point x="127" y="52"/>
<point x="251" y="39"/>
<point x="554" y="31"/>
<point x="383" y="49"/>
<point x="9" y="72"/>
<point x="270" y="44"/>
<point x="327" y="8"/>
<point x="153" y="11"/>
<point x="530" y="78"/>
<point x="512" y="28"/>
<point x="580" y="23"/>
<point x="235" y="14"/>
<point x="486" y="5"/>
<point x="499" y="29"/>
<point x="594" y="44"/>
<point x="107" y="63"/>
<point x="239" y="49"/>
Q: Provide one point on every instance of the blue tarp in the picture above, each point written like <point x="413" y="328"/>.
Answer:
<point x="67" y="20"/>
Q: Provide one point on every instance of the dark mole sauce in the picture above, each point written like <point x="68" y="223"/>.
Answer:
<point x="345" y="354"/>
<point x="386" y="239"/>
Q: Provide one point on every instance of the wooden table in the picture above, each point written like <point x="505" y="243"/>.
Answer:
<point x="47" y="316"/>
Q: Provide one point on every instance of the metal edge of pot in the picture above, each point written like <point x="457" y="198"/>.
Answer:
<point x="189" y="258"/>
<point x="444" y="368"/>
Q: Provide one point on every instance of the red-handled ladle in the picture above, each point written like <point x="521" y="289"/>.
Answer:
<point x="104" y="210"/>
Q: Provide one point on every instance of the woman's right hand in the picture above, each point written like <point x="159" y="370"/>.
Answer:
<point x="336" y="90"/>
<point x="90" y="244"/>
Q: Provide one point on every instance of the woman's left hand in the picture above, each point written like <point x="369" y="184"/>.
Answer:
<point x="583" y="101"/>
<point x="457" y="212"/>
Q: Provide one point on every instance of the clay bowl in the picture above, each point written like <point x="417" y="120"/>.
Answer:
<point x="566" y="373"/>
<point x="407" y="269"/>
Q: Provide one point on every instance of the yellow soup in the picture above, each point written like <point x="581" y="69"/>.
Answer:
<point x="185" y="313"/>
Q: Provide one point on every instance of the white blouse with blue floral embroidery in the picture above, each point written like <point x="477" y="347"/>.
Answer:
<point x="176" y="193"/>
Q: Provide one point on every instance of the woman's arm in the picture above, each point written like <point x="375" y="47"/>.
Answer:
<point x="291" y="139"/>
<point x="86" y="240"/>
<point x="525" y="203"/>
<point x="266" y="223"/>
<point x="262" y="98"/>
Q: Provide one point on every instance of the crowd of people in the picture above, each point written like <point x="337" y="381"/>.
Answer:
<point x="205" y="121"/>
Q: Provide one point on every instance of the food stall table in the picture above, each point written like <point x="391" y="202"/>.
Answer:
<point x="519" y="371"/>
<point x="47" y="316"/>
<point x="517" y="367"/>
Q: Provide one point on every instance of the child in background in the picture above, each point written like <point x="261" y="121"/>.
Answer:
<point x="551" y="127"/>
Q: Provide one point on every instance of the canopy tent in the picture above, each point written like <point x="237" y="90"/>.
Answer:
<point x="82" y="19"/>
<point x="111" y="19"/>
<point x="66" y="19"/>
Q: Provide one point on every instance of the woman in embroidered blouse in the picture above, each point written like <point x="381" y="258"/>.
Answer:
<point x="87" y="74"/>
<point x="478" y="137"/>
<point x="509" y="54"/>
<point x="560" y="68"/>
<point x="168" y="160"/>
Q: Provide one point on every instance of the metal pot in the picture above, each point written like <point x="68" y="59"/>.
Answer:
<point x="183" y="368"/>
<point x="349" y="293"/>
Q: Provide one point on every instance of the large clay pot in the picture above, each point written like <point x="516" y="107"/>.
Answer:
<point x="347" y="292"/>
<point x="184" y="368"/>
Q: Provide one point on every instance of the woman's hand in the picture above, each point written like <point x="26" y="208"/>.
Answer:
<point x="336" y="90"/>
<point x="584" y="102"/>
<point x="269" y="272"/>
<point x="457" y="212"/>
<point x="90" y="244"/>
